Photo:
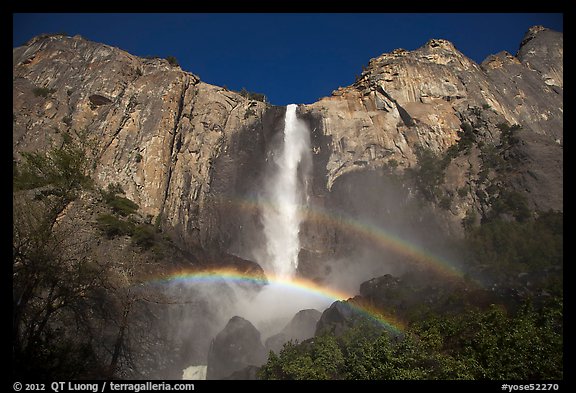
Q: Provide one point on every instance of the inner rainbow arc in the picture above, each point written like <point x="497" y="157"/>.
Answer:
<point x="297" y="284"/>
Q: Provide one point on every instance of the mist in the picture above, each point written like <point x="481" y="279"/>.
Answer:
<point x="354" y="223"/>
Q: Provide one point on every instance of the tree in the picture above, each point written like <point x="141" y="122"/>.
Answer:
<point x="172" y="61"/>
<point x="477" y="344"/>
<point x="57" y="175"/>
<point x="53" y="275"/>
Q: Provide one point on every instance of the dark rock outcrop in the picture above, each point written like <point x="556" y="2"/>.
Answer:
<point x="343" y="315"/>
<point x="301" y="327"/>
<point x="247" y="373"/>
<point x="237" y="346"/>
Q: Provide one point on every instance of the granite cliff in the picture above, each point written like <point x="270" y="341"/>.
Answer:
<point x="423" y="146"/>
<point x="181" y="148"/>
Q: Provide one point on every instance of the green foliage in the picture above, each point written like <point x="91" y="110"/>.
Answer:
<point x="252" y="95"/>
<point x="115" y="188"/>
<point x="474" y="345"/>
<point x="467" y="136"/>
<point x="462" y="191"/>
<point x="122" y="205"/>
<point x="509" y="134"/>
<point x="172" y="61"/>
<point x="509" y="202"/>
<point x="320" y="359"/>
<point x="119" y="204"/>
<point x="249" y="112"/>
<point x="43" y="91"/>
<point x="445" y="202"/>
<point x="505" y="249"/>
<point x="61" y="172"/>
<point x="429" y="174"/>
<point x="158" y="223"/>
<point x="144" y="236"/>
<point x="495" y="345"/>
<point x="469" y="220"/>
<point x="392" y="163"/>
<point x="113" y="226"/>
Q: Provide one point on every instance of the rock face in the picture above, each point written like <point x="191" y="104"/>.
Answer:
<point x="300" y="328"/>
<point x="236" y="347"/>
<point x="192" y="155"/>
<point x="154" y="128"/>
<point x="341" y="316"/>
<point x="422" y="144"/>
<point x="406" y="100"/>
<point x="432" y="110"/>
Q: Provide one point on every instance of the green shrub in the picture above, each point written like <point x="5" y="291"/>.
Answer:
<point x="62" y="171"/>
<point x="429" y="174"/>
<point x="144" y="236"/>
<point x="122" y="205"/>
<point x="253" y="96"/>
<point x="508" y="248"/>
<point x="462" y="191"/>
<point x="509" y="134"/>
<point x="172" y="61"/>
<point x="115" y="188"/>
<point x="43" y="91"/>
<point x="112" y="226"/>
<point x="249" y="112"/>
<point x="445" y="202"/>
<point x="119" y="204"/>
<point x="506" y="202"/>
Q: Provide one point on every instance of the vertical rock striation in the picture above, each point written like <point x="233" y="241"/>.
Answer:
<point x="190" y="154"/>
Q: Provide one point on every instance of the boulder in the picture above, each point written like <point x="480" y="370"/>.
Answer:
<point x="237" y="346"/>
<point x="301" y="327"/>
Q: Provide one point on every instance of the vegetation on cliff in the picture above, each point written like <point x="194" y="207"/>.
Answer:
<point x="75" y="305"/>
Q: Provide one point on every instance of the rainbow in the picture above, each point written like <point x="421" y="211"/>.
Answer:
<point x="296" y="284"/>
<point x="384" y="238"/>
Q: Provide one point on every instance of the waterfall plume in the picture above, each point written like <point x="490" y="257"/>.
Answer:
<point x="284" y="196"/>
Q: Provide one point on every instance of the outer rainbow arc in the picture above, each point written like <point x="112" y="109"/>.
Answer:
<point x="378" y="235"/>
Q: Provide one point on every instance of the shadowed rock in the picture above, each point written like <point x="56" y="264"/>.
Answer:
<point x="300" y="328"/>
<point x="237" y="346"/>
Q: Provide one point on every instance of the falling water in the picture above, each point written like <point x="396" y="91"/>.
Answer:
<point x="285" y="196"/>
<point x="282" y="198"/>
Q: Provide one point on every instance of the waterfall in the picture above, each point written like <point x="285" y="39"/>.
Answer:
<point x="285" y="195"/>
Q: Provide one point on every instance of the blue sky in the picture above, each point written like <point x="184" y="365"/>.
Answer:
<point x="292" y="58"/>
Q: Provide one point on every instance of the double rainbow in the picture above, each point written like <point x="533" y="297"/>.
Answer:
<point x="385" y="239"/>
<point x="300" y="285"/>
